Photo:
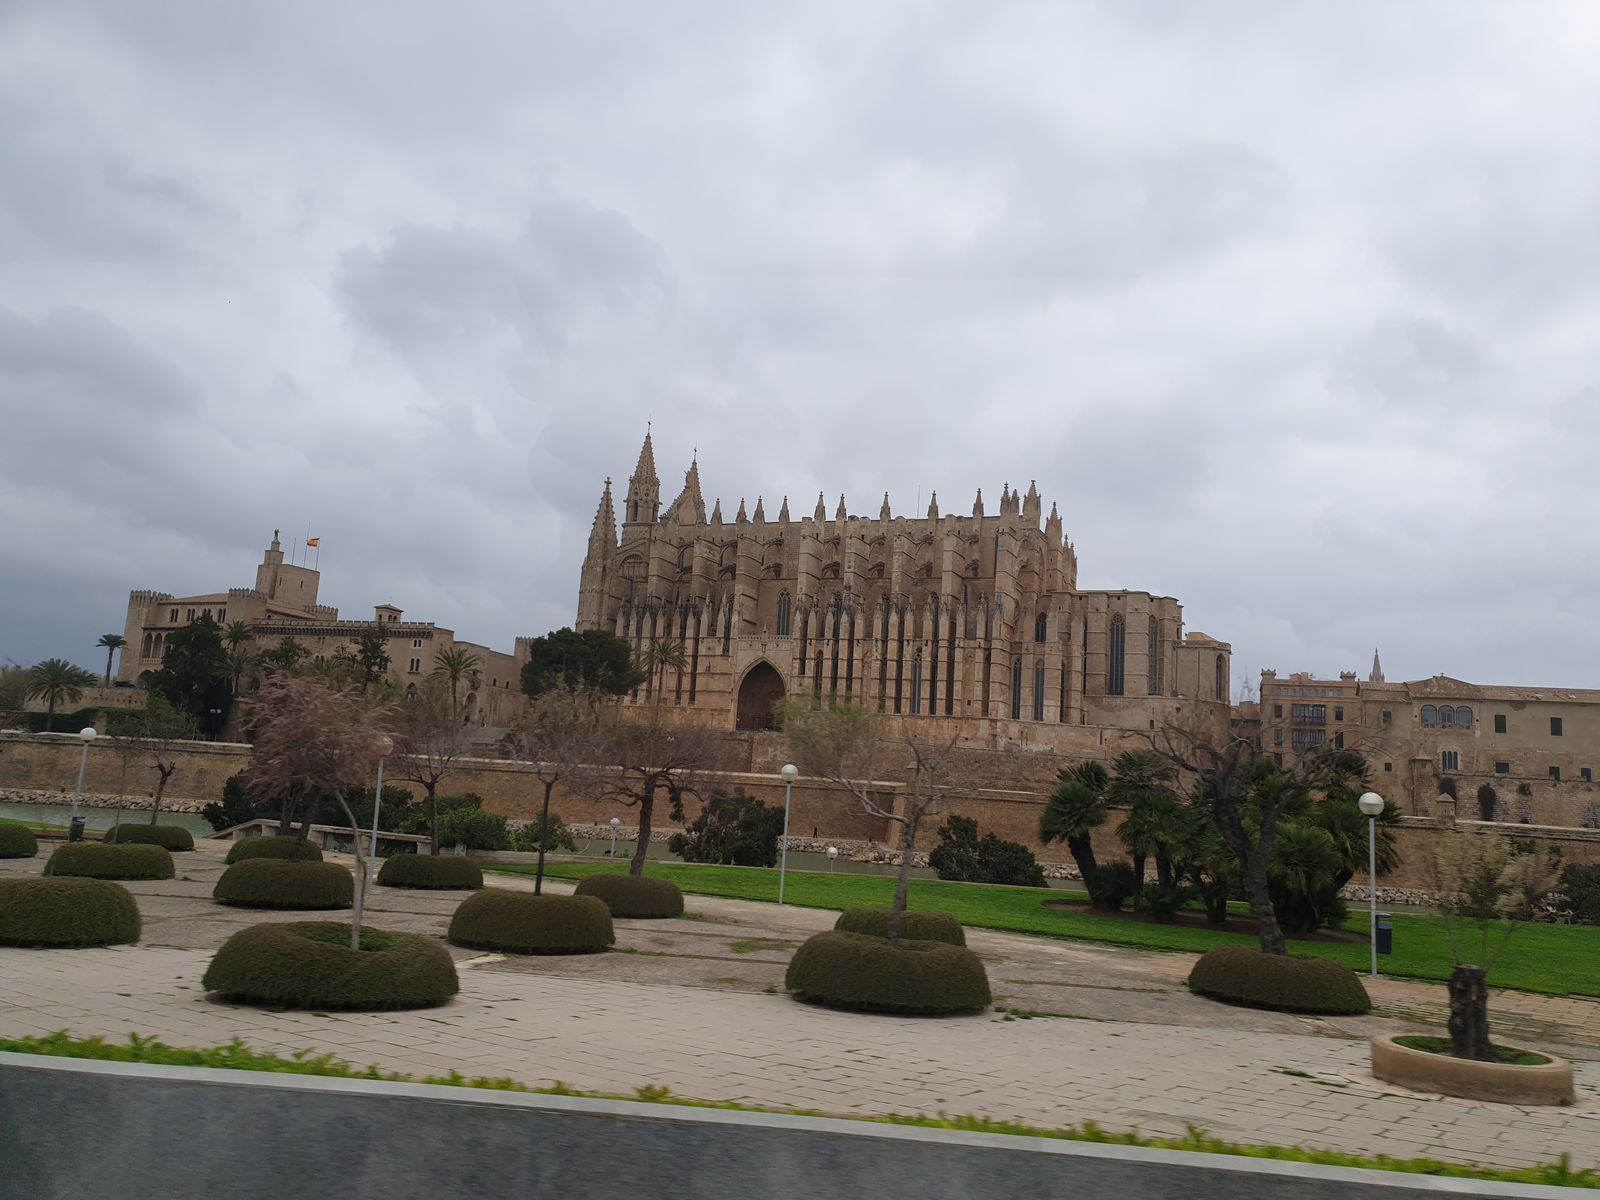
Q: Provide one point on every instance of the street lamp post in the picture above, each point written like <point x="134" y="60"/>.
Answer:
<point x="1371" y="804"/>
<point x="75" y="826"/>
<point x="789" y="774"/>
<point x="833" y="853"/>
<point x="385" y="745"/>
<point x="615" y="822"/>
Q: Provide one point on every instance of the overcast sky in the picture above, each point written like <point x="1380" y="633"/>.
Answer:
<point x="1293" y="308"/>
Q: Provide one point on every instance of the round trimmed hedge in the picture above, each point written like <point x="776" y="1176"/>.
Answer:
<point x="442" y="871"/>
<point x="272" y="847"/>
<point x="634" y="896"/>
<point x="68" y="911"/>
<point x="278" y="883"/>
<point x="309" y="964"/>
<point x="17" y="841"/>
<point x="857" y="970"/>
<point x="168" y="837"/>
<point x="914" y="926"/>
<point x="522" y="923"/>
<point x="99" y="861"/>
<point x="1283" y="982"/>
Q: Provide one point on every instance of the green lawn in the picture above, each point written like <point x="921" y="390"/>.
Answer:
<point x="1560" y="960"/>
<point x="36" y="826"/>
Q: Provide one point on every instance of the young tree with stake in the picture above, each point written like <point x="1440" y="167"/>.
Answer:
<point x="561" y="737"/>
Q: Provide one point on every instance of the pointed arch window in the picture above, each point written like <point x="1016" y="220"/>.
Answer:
<point x="784" y="608"/>
<point x="1222" y="678"/>
<point x="1116" y="679"/>
<point x="1016" y="690"/>
<point x="1038" y="691"/>
<point x="916" y="685"/>
<point x="1155" y="658"/>
<point x="1039" y="627"/>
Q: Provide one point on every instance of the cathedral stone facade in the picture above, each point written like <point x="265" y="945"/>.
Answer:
<point x="969" y="625"/>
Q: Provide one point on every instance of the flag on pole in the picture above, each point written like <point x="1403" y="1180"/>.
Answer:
<point x="316" y="541"/>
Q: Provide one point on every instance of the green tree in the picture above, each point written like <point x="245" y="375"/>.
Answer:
<point x="593" y="659"/>
<point x="240" y="663"/>
<point x="963" y="856"/>
<point x="111" y="643"/>
<point x="453" y="664"/>
<point x="1158" y="824"/>
<point x="659" y="657"/>
<point x="734" y="830"/>
<point x="194" y="674"/>
<point x="237" y="633"/>
<point x="286" y="658"/>
<point x="366" y="662"/>
<point x="57" y="681"/>
<point x="1077" y="806"/>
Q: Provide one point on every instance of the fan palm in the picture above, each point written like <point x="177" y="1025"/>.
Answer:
<point x="57" y="681"/>
<point x="661" y="656"/>
<point x="111" y="643"/>
<point x="453" y="664"/>
<point x="1075" y="808"/>
<point x="236" y="634"/>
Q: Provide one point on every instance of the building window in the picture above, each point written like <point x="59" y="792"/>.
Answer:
<point x="1447" y="716"/>
<point x="784" y="609"/>
<point x="416" y="665"/>
<point x="147" y="643"/>
<point x="1277" y="737"/>
<point x="1586" y="774"/>
<point x="1388" y="766"/>
<point x="188" y="614"/>
<point x="1338" y="740"/>
<point x="1119" y="646"/>
<point x="1222" y="678"/>
<point x="1277" y="711"/>
<point x="1555" y="774"/>
<point x="1154" y="639"/>
<point x="1463" y="718"/>
<point x="1450" y="760"/>
<point x="1039" y="625"/>
<point x="1430" y="716"/>
<point x="1338" y="712"/>
<point x="1388" y="716"/>
<point x="1038" y="691"/>
<point x="1502" y="768"/>
<point x="1555" y="726"/>
<point x="1308" y="739"/>
<point x="1016" y="690"/>
<point x="222" y="614"/>
<point x="1499" y="722"/>
<point x="416" y="643"/>
<point x="1310" y="714"/>
<point x="174" y="616"/>
<point x="916" y="683"/>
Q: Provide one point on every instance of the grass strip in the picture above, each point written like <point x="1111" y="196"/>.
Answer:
<point x="237" y="1056"/>
<point x="1556" y="960"/>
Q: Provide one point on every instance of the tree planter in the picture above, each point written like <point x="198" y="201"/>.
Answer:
<point x="1548" y="1082"/>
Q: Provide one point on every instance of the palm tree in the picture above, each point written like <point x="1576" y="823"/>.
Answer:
<point x="1158" y="823"/>
<point x="236" y="634"/>
<point x="661" y="656"/>
<point x="111" y="642"/>
<point x="240" y="662"/>
<point x="1076" y="806"/>
<point x="453" y="664"/>
<point x="55" y="681"/>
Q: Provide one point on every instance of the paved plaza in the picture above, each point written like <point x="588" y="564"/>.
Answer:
<point x="696" y="1006"/>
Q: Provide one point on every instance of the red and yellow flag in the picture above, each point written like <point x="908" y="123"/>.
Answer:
<point x="316" y="541"/>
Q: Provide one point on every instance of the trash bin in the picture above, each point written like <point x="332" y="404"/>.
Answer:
<point x="75" y="830"/>
<point x="1385" y="934"/>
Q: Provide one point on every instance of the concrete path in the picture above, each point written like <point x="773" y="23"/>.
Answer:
<point x="689" y="1017"/>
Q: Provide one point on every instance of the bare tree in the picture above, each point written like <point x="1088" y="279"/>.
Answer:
<point x="561" y="737"/>
<point x="316" y="743"/>
<point x="843" y="743"/>
<point x="1485" y="891"/>
<point x="1247" y="797"/>
<point x="156" y="734"/>
<point x="650" y="756"/>
<point x="427" y="745"/>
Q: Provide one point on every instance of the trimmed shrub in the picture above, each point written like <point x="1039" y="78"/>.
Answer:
<point x="99" y="861"/>
<point x="857" y="970"/>
<point x="634" y="896"/>
<point x="736" y="830"/>
<point x="278" y="883"/>
<point x="309" y="964"/>
<point x="272" y="847"/>
<point x="1579" y="883"/>
<point x="430" y="871"/>
<point x="1282" y="982"/>
<point x="17" y="841"/>
<point x="66" y="912"/>
<point x="963" y="856"/>
<point x="914" y="926"/>
<point x="522" y="923"/>
<point x="168" y="837"/>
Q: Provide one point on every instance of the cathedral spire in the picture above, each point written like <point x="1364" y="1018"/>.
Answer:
<point x="716" y="512"/>
<point x="1377" y="669"/>
<point x="1052" y="526"/>
<point x="977" y="505"/>
<point x="1031" y="503"/>
<point x="839" y="513"/>
<point x="643" y="504"/>
<point x="739" y="518"/>
<point x="783" y="510"/>
<point x="690" y="507"/>
<point x="821" y="514"/>
<point x="760" y="515"/>
<point x="933" y="507"/>
<point x="883" y="510"/>
<point x="603" y="533"/>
